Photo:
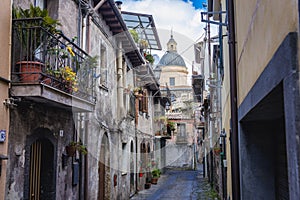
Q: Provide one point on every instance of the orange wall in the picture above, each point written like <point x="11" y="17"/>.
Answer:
<point x="5" y="19"/>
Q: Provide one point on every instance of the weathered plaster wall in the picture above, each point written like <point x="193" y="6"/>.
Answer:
<point x="68" y="16"/>
<point x="22" y="3"/>
<point x="104" y="121"/>
<point x="179" y="156"/>
<point x="27" y="118"/>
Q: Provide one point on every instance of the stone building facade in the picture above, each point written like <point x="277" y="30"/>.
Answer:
<point x="99" y="111"/>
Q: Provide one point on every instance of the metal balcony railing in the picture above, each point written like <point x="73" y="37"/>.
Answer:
<point x="43" y="57"/>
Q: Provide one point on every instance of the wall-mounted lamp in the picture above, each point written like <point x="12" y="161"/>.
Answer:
<point x="2" y="157"/>
<point x="223" y="133"/>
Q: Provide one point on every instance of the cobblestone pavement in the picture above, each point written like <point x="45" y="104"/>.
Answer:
<point x="178" y="185"/>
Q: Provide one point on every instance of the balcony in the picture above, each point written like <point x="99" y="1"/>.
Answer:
<point x="50" y="68"/>
<point x="197" y="83"/>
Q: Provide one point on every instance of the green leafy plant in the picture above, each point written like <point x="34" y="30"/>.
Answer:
<point x="171" y="125"/>
<point x="31" y="25"/>
<point x="134" y="35"/>
<point x="48" y="23"/>
<point x="156" y="173"/>
<point x="149" y="57"/>
<point x="78" y="146"/>
<point x="69" y="76"/>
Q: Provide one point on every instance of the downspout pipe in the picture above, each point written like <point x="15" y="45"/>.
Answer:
<point x="120" y="78"/>
<point x="234" y="138"/>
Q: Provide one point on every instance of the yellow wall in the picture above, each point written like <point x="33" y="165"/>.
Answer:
<point x="5" y="19"/>
<point x="226" y="113"/>
<point x="261" y="26"/>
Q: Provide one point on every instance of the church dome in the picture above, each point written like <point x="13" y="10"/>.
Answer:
<point x="172" y="59"/>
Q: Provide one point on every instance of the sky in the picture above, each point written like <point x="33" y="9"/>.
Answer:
<point x="181" y="16"/>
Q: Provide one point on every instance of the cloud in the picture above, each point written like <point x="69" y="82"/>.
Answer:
<point x="178" y="15"/>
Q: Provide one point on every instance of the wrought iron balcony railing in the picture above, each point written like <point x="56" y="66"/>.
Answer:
<point x="42" y="57"/>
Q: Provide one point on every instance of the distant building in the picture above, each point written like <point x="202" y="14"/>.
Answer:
<point x="174" y="84"/>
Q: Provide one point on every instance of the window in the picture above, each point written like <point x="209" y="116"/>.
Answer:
<point x="181" y="133"/>
<point x="103" y="66"/>
<point x="172" y="81"/>
<point x="143" y="103"/>
<point x="132" y="105"/>
<point x="181" y="130"/>
<point x="40" y="3"/>
<point x="173" y="97"/>
<point x="124" y="159"/>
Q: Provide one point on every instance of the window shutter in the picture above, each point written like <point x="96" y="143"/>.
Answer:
<point x="132" y="105"/>
<point x="144" y="102"/>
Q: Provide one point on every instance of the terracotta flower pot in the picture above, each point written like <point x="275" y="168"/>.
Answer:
<point x="70" y="150"/>
<point x="30" y="71"/>
<point x="147" y="185"/>
<point x="154" y="181"/>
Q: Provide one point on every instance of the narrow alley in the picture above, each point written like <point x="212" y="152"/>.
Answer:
<point x="149" y="100"/>
<point x="169" y="186"/>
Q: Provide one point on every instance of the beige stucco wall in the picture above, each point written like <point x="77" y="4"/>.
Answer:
<point x="260" y="28"/>
<point x="5" y="19"/>
<point x="178" y="72"/>
<point x="226" y="113"/>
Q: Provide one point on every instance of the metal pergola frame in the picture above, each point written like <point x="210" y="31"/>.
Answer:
<point x="144" y="24"/>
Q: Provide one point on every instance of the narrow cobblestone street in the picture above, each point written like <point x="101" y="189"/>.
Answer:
<point x="178" y="185"/>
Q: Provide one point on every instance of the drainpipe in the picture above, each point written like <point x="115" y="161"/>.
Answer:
<point x="120" y="79"/>
<point x="234" y="139"/>
<point x="86" y="47"/>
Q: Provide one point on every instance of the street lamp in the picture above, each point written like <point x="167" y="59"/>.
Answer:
<point x="167" y="106"/>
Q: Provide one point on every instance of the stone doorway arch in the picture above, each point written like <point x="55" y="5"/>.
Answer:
<point x="40" y="166"/>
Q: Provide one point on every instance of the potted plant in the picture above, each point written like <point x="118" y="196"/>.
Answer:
<point x="157" y="133"/>
<point x="155" y="175"/>
<point x="75" y="146"/>
<point x="69" y="78"/>
<point x="217" y="150"/>
<point x="31" y="35"/>
<point x="143" y="44"/>
<point x="148" y="56"/>
<point x="134" y="35"/>
<point x="148" y="183"/>
<point x="138" y="92"/>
